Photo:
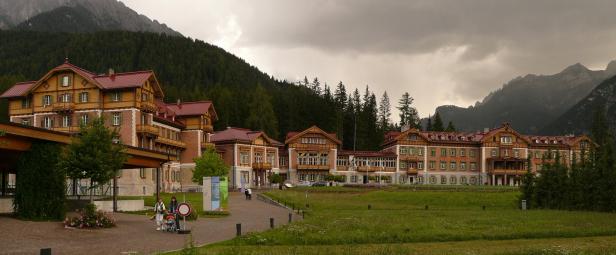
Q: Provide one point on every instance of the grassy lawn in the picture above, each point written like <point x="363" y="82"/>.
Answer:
<point x="338" y="221"/>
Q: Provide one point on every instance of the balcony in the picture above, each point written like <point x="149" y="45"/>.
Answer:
<point x="506" y="171"/>
<point x="64" y="107"/>
<point x="72" y="129"/>
<point x="313" y="167"/>
<point x="148" y="106"/>
<point x="208" y="128"/>
<point x="147" y="129"/>
<point x="206" y="145"/>
<point x="171" y="142"/>
<point x="412" y="158"/>
<point x="411" y="171"/>
<point x="261" y="166"/>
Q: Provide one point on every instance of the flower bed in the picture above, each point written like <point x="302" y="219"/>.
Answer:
<point x="89" y="217"/>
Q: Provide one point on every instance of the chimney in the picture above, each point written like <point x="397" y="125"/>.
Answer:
<point x="111" y="73"/>
<point x="179" y="103"/>
<point x="485" y="130"/>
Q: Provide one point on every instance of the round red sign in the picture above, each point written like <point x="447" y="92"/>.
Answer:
<point x="184" y="209"/>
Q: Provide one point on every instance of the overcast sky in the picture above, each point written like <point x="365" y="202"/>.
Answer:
<point x="441" y="52"/>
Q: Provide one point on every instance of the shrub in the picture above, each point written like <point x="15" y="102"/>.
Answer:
<point x="89" y="217"/>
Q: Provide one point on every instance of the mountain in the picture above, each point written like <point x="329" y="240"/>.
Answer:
<point x="76" y="16"/>
<point x="529" y="103"/>
<point x="578" y="119"/>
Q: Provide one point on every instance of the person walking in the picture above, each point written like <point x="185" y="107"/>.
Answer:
<point x="246" y="193"/>
<point x="173" y="208"/>
<point x="159" y="209"/>
<point x="249" y="193"/>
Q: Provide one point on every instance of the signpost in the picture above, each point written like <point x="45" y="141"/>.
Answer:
<point x="184" y="210"/>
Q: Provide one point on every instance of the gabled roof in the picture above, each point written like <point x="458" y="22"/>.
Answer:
<point x="106" y="81"/>
<point x="192" y="108"/>
<point x="314" y="129"/>
<point x="233" y="134"/>
<point x="18" y="90"/>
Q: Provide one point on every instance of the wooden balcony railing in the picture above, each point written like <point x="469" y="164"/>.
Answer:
<point x="261" y="166"/>
<point x="170" y="142"/>
<point x="148" y="106"/>
<point x="411" y="171"/>
<point x="147" y="129"/>
<point x="414" y="158"/>
<point x="63" y="107"/>
<point x="312" y="167"/>
<point x="208" y="128"/>
<point x="71" y="129"/>
<point x="507" y="171"/>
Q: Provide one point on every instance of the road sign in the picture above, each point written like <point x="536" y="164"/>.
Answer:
<point x="184" y="209"/>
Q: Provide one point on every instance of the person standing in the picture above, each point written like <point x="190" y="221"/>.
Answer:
<point x="173" y="208"/>
<point x="249" y="193"/>
<point x="159" y="209"/>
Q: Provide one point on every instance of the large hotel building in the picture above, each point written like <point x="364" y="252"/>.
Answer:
<point x="132" y="104"/>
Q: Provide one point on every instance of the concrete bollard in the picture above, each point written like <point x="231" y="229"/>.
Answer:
<point x="238" y="229"/>
<point x="290" y="217"/>
<point x="272" y="223"/>
<point x="483" y="207"/>
<point x="426" y="207"/>
<point x="369" y="207"/>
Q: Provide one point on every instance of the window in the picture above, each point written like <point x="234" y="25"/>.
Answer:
<point x="433" y="152"/>
<point x="443" y="152"/>
<point x="453" y="180"/>
<point x="65" y="98"/>
<point x="493" y="153"/>
<point x="473" y="180"/>
<point x="473" y="166"/>
<point x="471" y="153"/>
<point x="313" y="140"/>
<point x="462" y="152"/>
<point x="83" y="97"/>
<point x="462" y="165"/>
<point x="452" y="152"/>
<point x="420" y="180"/>
<point x="420" y="151"/>
<point x="432" y="179"/>
<point x="84" y="119"/>
<point x="419" y="165"/>
<point x="432" y="164"/>
<point x="115" y="139"/>
<point x="46" y="100"/>
<point x="403" y="165"/>
<point x="66" y="121"/>
<point x="144" y="97"/>
<point x="244" y="158"/>
<point x="506" y="139"/>
<point x="463" y="180"/>
<point x="516" y="153"/>
<point x="25" y="103"/>
<point x="66" y="81"/>
<point x="142" y="173"/>
<point x="47" y="122"/>
<point x="443" y="165"/>
<point x="25" y="122"/>
<point x="115" y="96"/>
<point x="116" y="118"/>
<point x="404" y="150"/>
<point x="443" y="179"/>
<point x="353" y="178"/>
<point x="452" y="165"/>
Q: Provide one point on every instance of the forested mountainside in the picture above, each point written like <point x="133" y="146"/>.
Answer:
<point x="529" y="103"/>
<point x="190" y="69"/>
<point x="579" y="118"/>
<point x="75" y="16"/>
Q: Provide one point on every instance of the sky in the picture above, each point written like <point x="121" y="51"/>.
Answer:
<point x="443" y="52"/>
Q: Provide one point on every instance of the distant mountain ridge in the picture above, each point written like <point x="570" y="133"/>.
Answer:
<point x="76" y="16"/>
<point x="530" y="102"/>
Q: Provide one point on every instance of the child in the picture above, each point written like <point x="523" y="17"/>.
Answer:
<point x="159" y="209"/>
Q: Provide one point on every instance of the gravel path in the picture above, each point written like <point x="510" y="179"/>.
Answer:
<point x="135" y="233"/>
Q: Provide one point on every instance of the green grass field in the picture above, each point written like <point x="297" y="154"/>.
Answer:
<point x="338" y="221"/>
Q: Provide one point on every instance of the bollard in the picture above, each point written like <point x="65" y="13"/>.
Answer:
<point x="303" y="214"/>
<point x="293" y="206"/>
<point x="46" y="251"/>
<point x="483" y="207"/>
<point x="272" y="223"/>
<point x="238" y="229"/>
<point x="307" y="206"/>
<point x="290" y="217"/>
<point x="369" y="207"/>
<point x="426" y="207"/>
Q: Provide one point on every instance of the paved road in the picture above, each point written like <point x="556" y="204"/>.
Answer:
<point x="134" y="233"/>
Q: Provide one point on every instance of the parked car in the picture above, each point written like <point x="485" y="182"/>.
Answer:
<point x="319" y="184"/>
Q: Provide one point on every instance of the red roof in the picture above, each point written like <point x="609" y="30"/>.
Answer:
<point x="19" y="89"/>
<point x="123" y="80"/>
<point x="240" y="135"/>
<point x="190" y="108"/>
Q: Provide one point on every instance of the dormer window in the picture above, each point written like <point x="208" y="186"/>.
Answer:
<point x="65" y="81"/>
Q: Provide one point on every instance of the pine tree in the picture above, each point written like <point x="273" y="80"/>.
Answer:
<point x="408" y="113"/>
<point x="262" y="116"/>
<point x="438" y="123"/>
<point x="604" y="162"/>
<point x="316" y="86"/>
<point x="384" y="114"/>
<point x="429" y="125"/>
<point x="340" y="101"/>
<point x="450" y="127"/>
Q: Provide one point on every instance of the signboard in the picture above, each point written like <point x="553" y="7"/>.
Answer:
<point x="184" y="209"/>
<point x="215" y="192"/>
